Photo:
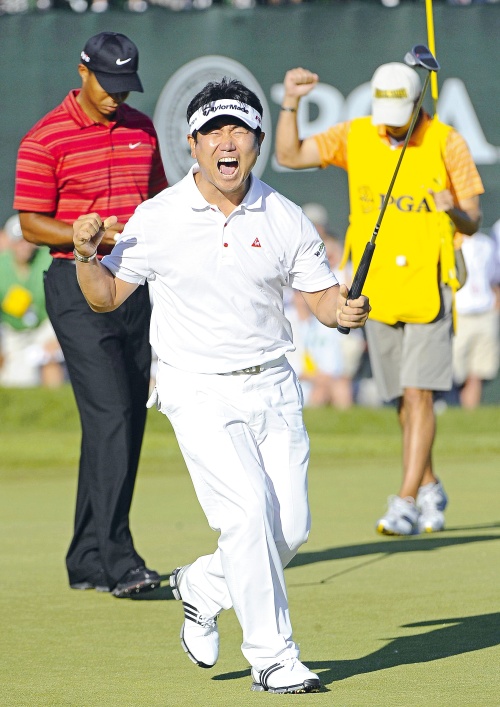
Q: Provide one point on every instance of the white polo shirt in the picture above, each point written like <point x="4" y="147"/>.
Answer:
<point x="477" y="295"/>
<point x="216" y="282"/>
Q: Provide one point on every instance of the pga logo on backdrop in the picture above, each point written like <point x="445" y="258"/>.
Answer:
<point x="330" y="107"/>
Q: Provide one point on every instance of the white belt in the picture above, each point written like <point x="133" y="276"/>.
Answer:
<point x="253" y="370"/>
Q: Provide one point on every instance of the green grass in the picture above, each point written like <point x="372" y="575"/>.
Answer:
<point x="386" y="622"/>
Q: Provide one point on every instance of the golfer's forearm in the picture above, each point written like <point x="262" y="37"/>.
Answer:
<point x="324" y="305"/>
<point x="326" y="311"/>
<point x="466" y="215"/>
<point x="287" y="134"/>
<point x="465" y="221"/>
<point x="98" y="286"/>
<point x="42" y="229"/>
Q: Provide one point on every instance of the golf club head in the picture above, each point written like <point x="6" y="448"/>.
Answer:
<point x="421" y="56"/>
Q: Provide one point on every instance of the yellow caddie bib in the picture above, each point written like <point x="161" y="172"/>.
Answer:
<point x="414" y="247"/>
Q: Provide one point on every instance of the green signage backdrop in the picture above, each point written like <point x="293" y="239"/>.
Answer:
<point x="342" y="42"/>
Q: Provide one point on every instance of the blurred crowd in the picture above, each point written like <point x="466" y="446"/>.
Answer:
<point x="334" y="369"/>
<point x="30" y="354"/>
<point x="99" y="6"/>
<point x="476" y="344"/>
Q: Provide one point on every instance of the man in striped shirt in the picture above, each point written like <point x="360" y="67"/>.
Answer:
<point x="93" y="152"/>
<point x="412" y="277"/>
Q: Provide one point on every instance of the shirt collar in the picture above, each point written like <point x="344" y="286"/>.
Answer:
<point x="418" y="132"/>
<point x="252" y="200"/>
<point x="253" y="197"/>
<point x="77" y="113"/>
<point x="198" y="201"/>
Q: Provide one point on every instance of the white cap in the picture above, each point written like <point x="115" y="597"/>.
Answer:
<point x="12" y="228"/>
<point x="395" y="88"/>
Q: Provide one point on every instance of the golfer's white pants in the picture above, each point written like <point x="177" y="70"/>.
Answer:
<point x="247" y="450"/>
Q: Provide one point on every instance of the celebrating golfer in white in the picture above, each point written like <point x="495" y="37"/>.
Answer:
<point x="217" y="250"/>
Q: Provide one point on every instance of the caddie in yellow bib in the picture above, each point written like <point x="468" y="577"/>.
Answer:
<point x="415" y="250"/>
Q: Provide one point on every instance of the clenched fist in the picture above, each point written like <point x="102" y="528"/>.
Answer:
<point x="89" y="230"/>
<point x="299" y="82"/>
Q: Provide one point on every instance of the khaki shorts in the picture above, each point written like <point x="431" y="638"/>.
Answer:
<point x="476" y="346"/>
<point x="412" y="355"/>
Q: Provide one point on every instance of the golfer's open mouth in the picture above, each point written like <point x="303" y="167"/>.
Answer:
<point x="227" y="165"/>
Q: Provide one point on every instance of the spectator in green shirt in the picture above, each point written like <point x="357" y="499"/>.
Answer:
<point x="29" y="352"/>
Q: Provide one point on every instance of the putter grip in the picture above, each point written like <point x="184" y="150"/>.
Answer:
<point x="359" y="278"/>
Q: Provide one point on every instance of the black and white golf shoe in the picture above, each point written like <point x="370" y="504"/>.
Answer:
<point x="290" y="676"/>
<point x="199" y="634"/>
<point x="140" y="579"/>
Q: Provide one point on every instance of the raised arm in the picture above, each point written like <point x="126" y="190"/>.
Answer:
<point x="290" y="150"/>
<point x="331" y="308"/>
<point x="101" y="289"/>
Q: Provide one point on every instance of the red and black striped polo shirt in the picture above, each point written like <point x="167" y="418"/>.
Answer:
<point x="69" y="165"/>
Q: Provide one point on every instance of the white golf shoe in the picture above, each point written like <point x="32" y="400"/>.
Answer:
<point x="401" y="517"/>
<point x="199" y="634"/>
<point x="431" y="502"/>
<point x="288" y="676"/>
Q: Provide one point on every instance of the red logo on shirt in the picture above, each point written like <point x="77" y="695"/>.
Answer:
<point x="256" y="244"/>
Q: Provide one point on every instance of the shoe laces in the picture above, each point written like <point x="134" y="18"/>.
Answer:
<point x="430" y="495"/>
<point x="428" y="502"/>
<point x="192" y="614"/>
<point x="289" y="663"/>
<point x="206" y="622"/>
<point x="263" y="676"/>
<point x="396" y="503"/>
<point x="402" y="508"/>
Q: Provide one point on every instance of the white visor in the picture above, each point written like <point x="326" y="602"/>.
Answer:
<point x="243" y="111"/>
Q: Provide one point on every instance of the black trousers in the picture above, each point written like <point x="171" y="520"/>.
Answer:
<point x="108" y="358"/>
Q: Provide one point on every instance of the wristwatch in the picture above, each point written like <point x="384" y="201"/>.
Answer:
<point x="84" y="258"/>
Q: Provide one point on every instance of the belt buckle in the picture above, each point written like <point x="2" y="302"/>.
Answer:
<point x="252" y="370"/>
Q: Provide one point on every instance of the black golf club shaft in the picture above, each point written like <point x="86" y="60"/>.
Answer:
<point x="359" y="279"/>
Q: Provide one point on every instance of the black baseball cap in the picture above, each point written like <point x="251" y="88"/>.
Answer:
<point x="114" y="59"/>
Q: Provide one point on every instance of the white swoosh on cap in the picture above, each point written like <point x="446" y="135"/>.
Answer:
<point x="123" y="61"/>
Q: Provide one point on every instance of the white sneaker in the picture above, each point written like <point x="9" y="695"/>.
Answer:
<point x="288" y="676"/>
<point x="431" y="502"/>
<point x="199" y="634"/>
<point x="401" y="517"/>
